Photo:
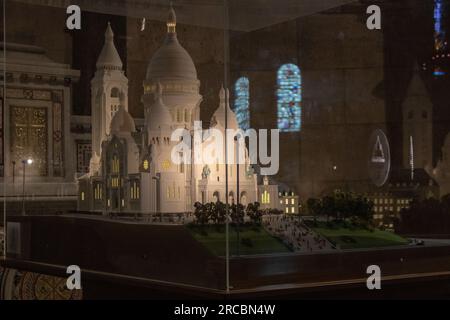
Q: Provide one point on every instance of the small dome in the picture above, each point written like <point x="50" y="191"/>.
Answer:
<point x="122" y="122"/>
<point x="171" y="60"/>
<point x="109" y="57"/>
<point x="159" y="114"/>
<point x="219" y="116"/>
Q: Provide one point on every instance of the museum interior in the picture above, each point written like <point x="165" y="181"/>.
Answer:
<point x="198" y="148"/>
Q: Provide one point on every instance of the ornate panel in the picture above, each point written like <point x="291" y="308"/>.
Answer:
<point x="57" y="120"/>
<point x="84" y="152"/>
<point x="42" y="95"/>
<point x="58" y="143"/>
<point x="15" y="93"/>
<point x="29" y="137"/>
<point x="32" y="94"/>
<point x="22" y="285"/>
<point x="2" y="160"/>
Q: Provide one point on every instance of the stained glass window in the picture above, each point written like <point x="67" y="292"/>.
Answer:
<point x="438" y="16"/>
<point x="241" y="102"/>
<point x="440" y="44"/>
<point x="289" y="96"/>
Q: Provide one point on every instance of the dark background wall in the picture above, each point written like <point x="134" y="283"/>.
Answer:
<point x="408" y="32"/>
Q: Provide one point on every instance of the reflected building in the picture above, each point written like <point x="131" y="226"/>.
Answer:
<point x="417" y="125"/>
<point x="400" y="190"/>
<point x="36" y="123"/>
<point x="442" y="170"/>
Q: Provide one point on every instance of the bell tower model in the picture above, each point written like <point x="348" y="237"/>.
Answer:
<point x="109" y="90"/>
<point x="417" y="125"/>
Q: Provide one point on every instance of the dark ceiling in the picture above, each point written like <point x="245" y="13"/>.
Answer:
<point x="243" y="15"/>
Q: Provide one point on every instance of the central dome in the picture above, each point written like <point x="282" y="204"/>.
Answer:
<point x="171" y="60"/>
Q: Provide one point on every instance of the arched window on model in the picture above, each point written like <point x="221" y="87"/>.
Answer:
<point x="216" y="196"/>
<point x="289" y="97"/>
<point x="231" y="197"/>
<point x="186" y="115"/>
<point x="265" y="197"/>
<point x="134" y="190"/>
<point x="115" y="164"/>
<point x="115" y="101"/>
<point x="115" y="171"/>
<point x="242" y="102"/>
<point x="243" y="199"/>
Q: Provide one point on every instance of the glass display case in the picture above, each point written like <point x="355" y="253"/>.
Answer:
<point x="224" y="148"/>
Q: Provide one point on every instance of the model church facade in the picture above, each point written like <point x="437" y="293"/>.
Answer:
<point x="134" y="171"/>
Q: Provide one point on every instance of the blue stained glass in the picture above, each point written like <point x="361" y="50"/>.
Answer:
<point x="439" y="36"/>
<point x="241" y="102"/>
<point x="289" y="96"/>
<point x="438" y="17"/>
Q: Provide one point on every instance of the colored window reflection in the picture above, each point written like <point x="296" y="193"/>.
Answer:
<point x="241" y="102"/>
<point x="289" y="98"/>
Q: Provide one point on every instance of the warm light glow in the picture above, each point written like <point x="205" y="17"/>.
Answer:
<point x="30" y="161"/>
<point x="171" y="27"/>
<point x="145" y="165"/>
<point x="166" y="164"/>
<point x="98" y="192"/>
<point x="115" y="164"/>
<point x="265" y="197"/>
<point x="134" y="191"/>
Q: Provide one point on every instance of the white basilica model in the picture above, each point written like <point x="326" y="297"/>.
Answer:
<point x="133" y="171"/>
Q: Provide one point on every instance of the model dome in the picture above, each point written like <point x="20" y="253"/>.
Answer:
<point x="122" y="122"/>
<point x="219" y="116"/>
<point x="159" y="113"/>
<point x="171" y="60"/>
